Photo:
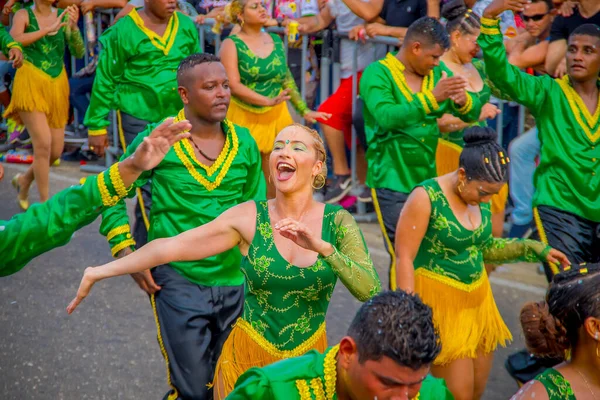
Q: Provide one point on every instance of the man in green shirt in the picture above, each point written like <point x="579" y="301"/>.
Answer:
<point x="217" y="167"/>
<point x="136" y="76"/>
<point x="386" y="354"/>
<point x="403" y="96"/>
<point x="567" y="110"/>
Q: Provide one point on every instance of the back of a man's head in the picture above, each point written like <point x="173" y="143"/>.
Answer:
<point x="428" y="31"/>
<point x="396" y="325"/>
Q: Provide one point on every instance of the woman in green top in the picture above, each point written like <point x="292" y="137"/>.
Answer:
<point x="40" y="98"/>
<point x="444" y="238"/>
<point x="566" y="322"/>
<point x="295" y="250"/>
<point x="260" y="80"/>
<point x="463" y="26"/>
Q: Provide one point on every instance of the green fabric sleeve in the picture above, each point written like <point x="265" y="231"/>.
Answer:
<point x="502" y="251"/>
<point x="351" y="261"/>
<point x="376" y="92"/>
<point x="7" y="42"/>
<point x="295" y="96"/>
<point x="108" y="72"/>
<point x="75" y="42"/>
<point x="523" y="88"/>
<point x="45" y="226"/>
<point x="470" y="112"/>
<point x="253" y="384"/>
<point x="115" y="220"/>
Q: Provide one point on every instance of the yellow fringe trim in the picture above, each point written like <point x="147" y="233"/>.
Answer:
<point x="579" y="109"/>
<point x="165" y="42"/>
<point x="246" y="348"/>
<point x="35" y="90"/>
<point x="121" y="246"/>
<point x="389" y="246"/>
<point x="543" y="237"/>
<point x="117" y="180"/>
<point x="255" y="110"/>
<point x="119" y="230"/>
<point x="174" y="395"/>
<point x="468" y="321"/>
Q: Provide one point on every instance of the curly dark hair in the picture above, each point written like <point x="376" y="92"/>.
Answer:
<point x="551" y="327"/>
<point x="191" y="61"/>
<point x="397" y="325"/>
<point x="428" y="31"/>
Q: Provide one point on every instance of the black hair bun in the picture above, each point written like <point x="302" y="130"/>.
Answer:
<point x="454" y="9"/>
<point x="477" y="135"/>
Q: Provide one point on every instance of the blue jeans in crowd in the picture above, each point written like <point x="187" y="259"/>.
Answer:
<point x="522" y="152"/>
<point x="80" y="87"/>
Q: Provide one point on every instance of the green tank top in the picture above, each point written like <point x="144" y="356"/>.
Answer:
<point x="448" y="248"/>
<point x="266" y="76"/>
<point x="286" y="304"/>
<point x="47" y="53"/>
<point x="483" y="95"/>
<point x="557" y="387"/>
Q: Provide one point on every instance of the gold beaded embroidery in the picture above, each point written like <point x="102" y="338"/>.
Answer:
<point x="107" y="200"/>
<point x="317" y="386"/>
<point x="330" y="368"/>
<point x="578" y="108"/>
<point x="117" y="181"/>
<point x="303" y="389"/>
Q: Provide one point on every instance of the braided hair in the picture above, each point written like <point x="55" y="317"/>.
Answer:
<point x="459" y="17"/>
<point x="482" y="158"/>
<point x="551" y="327"/>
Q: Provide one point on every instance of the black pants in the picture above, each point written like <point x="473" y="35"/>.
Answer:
<point x="193" y="321"/>
<point x="132" y="126"/>
<point x="575" y="236"/>
<point x="388" y="205"/>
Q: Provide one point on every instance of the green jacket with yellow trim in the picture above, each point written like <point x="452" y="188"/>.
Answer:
<point x="401" y="126"/>
<point x="568" y="174"/>
<point x="7" y="42"/>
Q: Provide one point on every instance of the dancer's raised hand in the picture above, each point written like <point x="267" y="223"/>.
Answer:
<point x="301" y="234"/>
<point x="85" y="286"/>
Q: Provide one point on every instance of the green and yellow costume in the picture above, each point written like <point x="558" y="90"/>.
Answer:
<point x="285" y="305"/>
<point x="41" y="84"/>
<point x="268" y="77"/>
<point x="450" y="277"/>
<point x="137" y="70"/>
<point x="557" y="387"/>
<point x="45" y="226"/>
<point x="312" y="376"/>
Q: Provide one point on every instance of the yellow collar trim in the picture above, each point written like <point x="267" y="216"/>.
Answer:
<point x="180" y="151"/>
<point x="210" y="170"/>
<point x="396" y="68"/>
<point x="579" y="109"/>
<point x="165" y="42"/>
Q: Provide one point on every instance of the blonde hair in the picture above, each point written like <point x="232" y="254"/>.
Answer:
<point x="234" y="9"/>
<point x="319" y="146"/>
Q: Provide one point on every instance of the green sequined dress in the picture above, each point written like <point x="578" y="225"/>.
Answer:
<point x="557" y="387"/>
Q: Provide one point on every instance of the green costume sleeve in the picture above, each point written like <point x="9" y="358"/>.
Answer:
<point x="109" y="71"/>
<point x="470" y="111"/>
<point x="75" y="42"/>
<point x="256" y="185"/>
<point x="253" y="384"/>
<point x="434" y="389"/>
<point x="115" y="220"/>
<point x="502" y="251"/>
<point x="391" y="115"/>
<point x="351" y="261"/>
<point x="45" y="226"/>
<point x="523" y="88"/>
<point x="7" y="42"/>
<point x="295" y="96"/>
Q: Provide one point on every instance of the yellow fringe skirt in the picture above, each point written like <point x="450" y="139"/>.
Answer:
<point x="34" y="90"/>
<point x="245" y="348"/>
<point x="466" y="316"/>
<point x="263" y="127"/>
<point x="447" y="157"/>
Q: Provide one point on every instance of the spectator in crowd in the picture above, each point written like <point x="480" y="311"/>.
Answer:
<point x="182" y="6"/>
<point x="81" y="84"/>
<point x="41" y="88"/>
<point x="586" y="12"/>
<point x="338" y="129"/>
<point x="404" y="95"/>
<point x="527" y="50"/>
<point x="260" y="80"/>
<point x="136" y="77"/>
<point x="90" y="5"/>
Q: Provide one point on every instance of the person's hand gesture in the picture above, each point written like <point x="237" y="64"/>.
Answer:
<point x="448" y="87"/>
<point x="313" y="116"/>
<point x="73" y="16"/>
<point x="488" y="111"/>
<point x="16" y="56"/>
<point x="300" y="234"/>
<point x="53" y="28"/>
<point x="85" y="286"/>
<point x="497" y="7"/>
<point x="87" y="6"/>
<point x="558" y="258"/>
<point x="377" y="29"/>
<point x="282" y="97"/>
<point x="155" y="147"/>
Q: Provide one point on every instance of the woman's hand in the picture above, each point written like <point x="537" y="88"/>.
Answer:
<point x="300" y="234"/>
<point x="313" y="116"/>
<point x="558" y="258"/>
<point x="488" y="111"/>
<point x="73" y="16"/>
<point x="85" y="286"/>
<point x="53" y="29"/>
<point x="87" y="6"/>
<point x="16" y="56"/>
<point x="282" y="97"/>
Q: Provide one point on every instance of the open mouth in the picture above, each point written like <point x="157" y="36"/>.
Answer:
<point x="285" y="171"/>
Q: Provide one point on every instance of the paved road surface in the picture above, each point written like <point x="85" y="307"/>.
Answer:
<point x="108" y="349"/>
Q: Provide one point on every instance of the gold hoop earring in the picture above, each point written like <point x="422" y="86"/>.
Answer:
<point x="322" y="180"/>
<point x="461" y="186"/>
<point x="270" y="178"/>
